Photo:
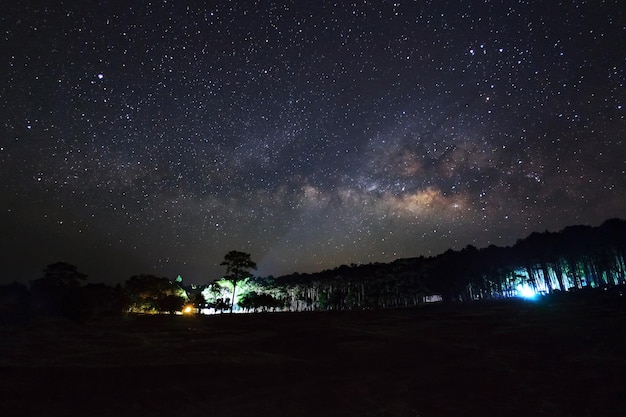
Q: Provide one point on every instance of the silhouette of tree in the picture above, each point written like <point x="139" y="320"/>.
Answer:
<point x="62" y="274"/>
<point x="612" y="237"/>
<point x="170" y="303"/>
<point x="145" y="291"/>
<point x="198" y="301"/>
<point x="90" y="302"/>
<point x="249" y="301"/>
<point x="238" y="266"/>
<point x="220" y="304"/>
<point x="58" y="291"/>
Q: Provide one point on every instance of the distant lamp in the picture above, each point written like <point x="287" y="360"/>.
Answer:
<point x="526" y="291"/>
<point x="188" y="309"/>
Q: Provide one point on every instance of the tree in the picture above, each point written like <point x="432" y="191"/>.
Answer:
<point x="58" y="291"/>
<point x="171" y="303"/>
<point x="145" y="291"/>
<point x="249" y="301"/>
<point x="62" y="274"/>
<point x="199" y="302"/>
<point x="238" y="266"/>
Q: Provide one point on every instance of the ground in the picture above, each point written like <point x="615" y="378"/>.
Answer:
<point x="515" y="358"/>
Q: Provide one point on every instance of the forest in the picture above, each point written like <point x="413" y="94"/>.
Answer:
<point x="578" y="259"/>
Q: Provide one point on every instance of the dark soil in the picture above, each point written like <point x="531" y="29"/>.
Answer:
<point x="492" y="359"/>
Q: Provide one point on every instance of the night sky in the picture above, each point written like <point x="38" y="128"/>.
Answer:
<point x="154" y="137"/>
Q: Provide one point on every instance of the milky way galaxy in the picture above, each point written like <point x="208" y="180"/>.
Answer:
<point x="154" y="137"/>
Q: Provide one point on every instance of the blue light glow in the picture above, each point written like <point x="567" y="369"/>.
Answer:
<point x="526" y="291"/>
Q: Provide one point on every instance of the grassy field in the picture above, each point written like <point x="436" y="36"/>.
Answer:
<point x="493" y="359"/>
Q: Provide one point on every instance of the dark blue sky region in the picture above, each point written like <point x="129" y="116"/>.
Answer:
<point x="154" y="137"/>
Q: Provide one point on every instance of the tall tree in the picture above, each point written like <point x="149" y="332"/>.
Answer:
<point x="238" y="266"/>
<point x="62" y="274"/>
<point x="58" y="291"/>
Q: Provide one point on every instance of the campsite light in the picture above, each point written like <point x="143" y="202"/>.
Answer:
<point x="526" y="291"/>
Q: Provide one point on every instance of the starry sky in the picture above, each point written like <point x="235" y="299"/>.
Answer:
<point x="154" y="137"/>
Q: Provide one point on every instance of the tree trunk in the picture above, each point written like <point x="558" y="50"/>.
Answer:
<point x="232" y="301"/>
<point x="546" y="276"/>
<point x="558" y="271"/>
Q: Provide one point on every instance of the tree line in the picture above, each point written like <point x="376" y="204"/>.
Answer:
<point x="576" y="259"/>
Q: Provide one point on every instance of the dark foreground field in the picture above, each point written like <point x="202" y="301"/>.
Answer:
<point x="499" y="359"/>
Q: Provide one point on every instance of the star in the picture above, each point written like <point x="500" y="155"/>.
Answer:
<point x="156" y="139"/>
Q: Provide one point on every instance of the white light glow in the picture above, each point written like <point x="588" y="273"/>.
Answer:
<point x="525" y="291"/>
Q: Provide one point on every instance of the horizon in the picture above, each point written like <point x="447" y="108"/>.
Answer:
<point x="199" y="284"/>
